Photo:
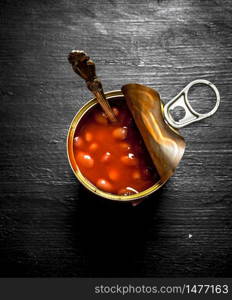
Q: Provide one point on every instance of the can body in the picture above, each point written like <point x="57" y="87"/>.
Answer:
<point x="111" y="96"/>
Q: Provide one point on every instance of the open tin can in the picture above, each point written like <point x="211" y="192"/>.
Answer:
<point x="157" y="126"/>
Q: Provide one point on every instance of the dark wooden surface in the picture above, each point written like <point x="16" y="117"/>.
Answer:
<point x="49" y="224"/>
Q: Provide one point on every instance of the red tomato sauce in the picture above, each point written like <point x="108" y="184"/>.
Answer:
<point x="111" y="156"/>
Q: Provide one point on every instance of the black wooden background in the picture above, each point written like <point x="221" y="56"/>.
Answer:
<point x="49" y="224"/>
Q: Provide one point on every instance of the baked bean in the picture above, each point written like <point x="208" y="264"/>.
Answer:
<point x="104" y="185"/>
<point x="78" y="142"/>
<point x="88" y="136"/>
<point x="125" y="146"/>
<point x="136" y="175"/>
<point x="114" y="175"/>
<point x="129" y="160"/>
<point x="106" y="157"/>
<point x="101" y="118"/>
<point x="85" y="160"/>
<point x="93" y="147"/>
<point x="120" y="133"/>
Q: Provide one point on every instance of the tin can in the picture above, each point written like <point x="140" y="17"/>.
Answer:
<point x="165" y="120"/>
<point x="111" y="96"/>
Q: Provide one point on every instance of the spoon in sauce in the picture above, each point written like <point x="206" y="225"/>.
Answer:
<point x="85" y="68"/>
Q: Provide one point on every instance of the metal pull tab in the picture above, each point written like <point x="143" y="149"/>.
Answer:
<point x="181" y="100"/>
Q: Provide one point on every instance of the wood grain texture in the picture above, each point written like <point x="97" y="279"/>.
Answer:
<point x="49" y="224"/>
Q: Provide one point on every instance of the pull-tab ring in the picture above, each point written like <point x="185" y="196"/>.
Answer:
<point x="181" y="100"/>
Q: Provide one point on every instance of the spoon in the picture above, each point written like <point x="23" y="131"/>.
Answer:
<point x="85" y="68"/>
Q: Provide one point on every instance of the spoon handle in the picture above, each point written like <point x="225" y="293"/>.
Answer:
<point x="85" y="68"/>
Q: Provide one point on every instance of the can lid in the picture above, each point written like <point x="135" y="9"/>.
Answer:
<point x="156" y="124"/>
<point x="165" y="145"/>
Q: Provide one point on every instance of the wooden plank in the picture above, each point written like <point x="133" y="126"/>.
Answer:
<point x="49" y="224"/>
